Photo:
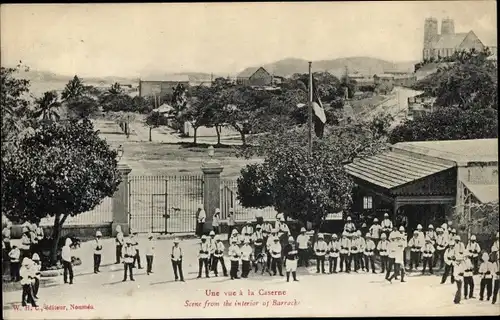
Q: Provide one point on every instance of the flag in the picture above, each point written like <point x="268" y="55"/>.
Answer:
<point x="319" y="117"/>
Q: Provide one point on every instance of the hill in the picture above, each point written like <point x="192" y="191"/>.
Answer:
<point x="363" y="65"/>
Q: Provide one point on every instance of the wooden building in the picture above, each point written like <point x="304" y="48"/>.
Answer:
<point x="159" y="87"/>
<point x="255" y="77"/>
<point x="425" y="181"/>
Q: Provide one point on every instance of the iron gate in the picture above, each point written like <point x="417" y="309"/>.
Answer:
<point x="165" y="204"/>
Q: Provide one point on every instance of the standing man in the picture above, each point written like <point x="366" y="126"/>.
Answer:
<point x="219" y="256"/>
<point x="270" y="243"/>
<point x="473" y="249"/>
<point x="203" y="255"/>
<point x="303" y="246"/>
<point x="386" y="224"/>
<point x="291" y="253"/>
<point x="449" y="258"/>
<point x="267" y="227"/>
<point x="246" y="256"/>
<point x="496" y="284"/>
<point x="320" y="248"/>
<point x="375" y="231"/>
<point x="128" y="253"/>
<point x="416" y="249"/>
<point x="66" y="260"/>
<point x="119" y="242"/>
<point x="258" y="242"/>
<point x="200" y="220"/>
<point x="276" y="256"/>
<point x="230" y="223"/>
<point x="15" y="258"/>
<point x="333" y="254"/>
<point x="495" y="247"/>
<point x="36" y="269"/>
<point x="247" y="230"/>
<point x="427" y="254"/>
<point x="97" y="251"/>
<point x="431" y="234"/>
<point x="458" y="274"/>
<point x="486" y="272"/>
<point x="361" y="250"/>
<point x="234" y="256"/>
<point x="27" y="278"/>
<point x="349" y="226"/>
<point x="215" y="221"/>
<point x="383" y="251"/>
<point x="441" y="245"/>
<point x="468" y="278"/>
<point x="176" y="257"/>
<point x="399" y="245"/>
<point x="25" y="243"/>
<point x="6" y="236"/>
<point x="345" y="245"/>
<point x="392" y="254"/>
<point x="150" y="251"/>
<point x="354" y="250"/>
<point x="211" y="245"/>
<point x="369" y="252"/>
<point x="135" y="245"/>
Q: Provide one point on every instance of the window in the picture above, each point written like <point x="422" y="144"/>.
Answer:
<point x="367" y="203"/>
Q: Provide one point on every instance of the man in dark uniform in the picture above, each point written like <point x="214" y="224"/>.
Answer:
<point x="291" y="255"/>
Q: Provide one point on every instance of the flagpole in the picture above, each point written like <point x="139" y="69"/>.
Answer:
<point x="309" y="121"/>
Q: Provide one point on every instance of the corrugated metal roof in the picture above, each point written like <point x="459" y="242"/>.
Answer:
<point x="390" y="169"/>
<point x="449" y="41"/>
<point x="483" y="192"/>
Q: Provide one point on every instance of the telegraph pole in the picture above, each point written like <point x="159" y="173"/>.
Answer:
<point x="309" y="122"/>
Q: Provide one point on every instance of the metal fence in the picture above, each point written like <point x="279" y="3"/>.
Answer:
<point x="164" y="203"/>
<point x="102" y="213"/>
<point x="228" y="199"/>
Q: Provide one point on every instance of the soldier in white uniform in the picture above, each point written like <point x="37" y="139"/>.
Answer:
<point x="234" y="236"/>
<point x="258" y="243"/>
<point x="27" y="279"/>
<point x="369" y="254"/>
<point x="203" y="255"/>
<point x="427" y="254"/>
<point x="219" y="256"/>
<point x="349" y="227"/>
<point x="449" y="258"/>
<point x="234" y="257"/>
<point x="270" y="243"/>
<point x="215" y="221"/>
<point x="399" y="246"/>
<point x="431" y="234"/>
<point x="392" y="254"/>
<point x="496" y="282"/>
<point x="201" y="216"/>
<point x="345" y="247"/>
<point x="468" y="269"/>
<point x="473" y="249"/>
<point x="15" y="258"/>
<point x="246" y="257"/>
<point x="495" y="247"/>
<point x="354" y="252"/>
<point x="383" y="251"/>
<point x="458" y="275"/>
<point x="386" y="224"/>
<point x="361" y="249"/>
<point x="416" y="248"/>
<point x="247" y="230"/>
<point x="97" y="251"/>
<point x="176" y="257"/>
<point x="119" y="242"/>
<point x="230" y="224"/>
<point x="333" y="253"/>
<point x="320" y="249"/>
<point x="128" y="253"/>
<point x="275" y="250"/>
<point x="6" y="236"/>
<point x="375" y="231"/>
<point x="36" y="269"/>
<point x="150" y="251"/>
<point x="211" y="245"/>
<point x="441" y="245"/>
<point x="291" y="253"/>
<point x="303" y="246"/>
<point x="66" y="260"/>
<point x="486" y="273"/>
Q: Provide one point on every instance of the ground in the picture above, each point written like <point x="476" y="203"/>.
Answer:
<point x="157" y="295"/>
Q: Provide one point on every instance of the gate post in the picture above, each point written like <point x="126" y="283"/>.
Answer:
<point x="121" y="202"/>
<point x="211" y="187"/>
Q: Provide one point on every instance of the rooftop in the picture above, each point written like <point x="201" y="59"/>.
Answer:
<point x="459" y="151"/>
<point x="450" y="40"/>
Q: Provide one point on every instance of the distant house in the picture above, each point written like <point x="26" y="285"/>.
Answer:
<point x="161" y="86"/>
<point x="362" y="81"/>
<point x="419" y="105"/>
<point x="395" y="79"/>
<point x="255" y="77"/>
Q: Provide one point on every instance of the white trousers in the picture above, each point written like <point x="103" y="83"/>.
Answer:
<point x="291" y="265"/>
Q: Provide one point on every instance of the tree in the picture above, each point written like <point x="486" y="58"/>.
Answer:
<point x="448" y="123"/>
<point x="478" y="217"/>
<point x="14" y="105"/>
<point x="306" y="187"/>
<point x="197" y="110"/>
<point x="82" y="107"/>
<point x="47" y="107"/>
<point x="154" y="120"/>
<point x="74" y="89"/>
<point x="61" y="170"/>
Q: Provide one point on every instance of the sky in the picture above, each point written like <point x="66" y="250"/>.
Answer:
<point x="137" y="39"/>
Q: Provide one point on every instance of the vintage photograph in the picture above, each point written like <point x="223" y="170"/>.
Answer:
<point x="247" y="160"/>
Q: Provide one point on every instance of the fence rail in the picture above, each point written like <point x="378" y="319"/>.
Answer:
<point x="228" y="199"/>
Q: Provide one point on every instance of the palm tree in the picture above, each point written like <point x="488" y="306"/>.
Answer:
<point x="47" y="106"/>
<point x="74" y="89"/>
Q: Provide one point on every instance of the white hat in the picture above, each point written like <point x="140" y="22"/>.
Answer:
<point x="282" y="219"/>
<point x="431" y="226"/>
<point x="217" y="210"/>
<point x="375" y="220"/>
<point x="444" y="226"/>
<point x="25" y="229"/>
<point x="358" y="233"/>
<point x="383" y="236"/>
<point x="118" y="228"/>
<point x="473" y="238"/>
<point x="200" y="206"/>
<point x="68" y="241"/>
<point x="386" y="214"/>
<point x="302" y="229"/>
<point x="26" y="261"/>
<point x="290" y="238"/>
<point x="234" y="231"/>
<point x="415" y="233"/>
<point x="320" y="236"/>
<point x="258" y="226"/>
<point x="334" y="236"/>
<point x="419" y="227"/>
<point x="212" y="233"/>
<point x="401" y="229"/>
<point x="363" y="225"/>
<point x="176" y="240"/>
<point x="349" y="218"/>
<point x="453" y="231"/>
<point x="35" y="257"/>
<point x="249" y="222"/>
<point x="233" y="240"/>
<point x="457" y="237"/>
<point x="367" y="235"/>
<point x="98" y="234"/>
<point x="438" y="229"/>
<point x="203" y="237"/>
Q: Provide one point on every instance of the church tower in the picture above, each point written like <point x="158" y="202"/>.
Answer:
<point x="430" y="36"/>
<point x="447" y="26"/>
